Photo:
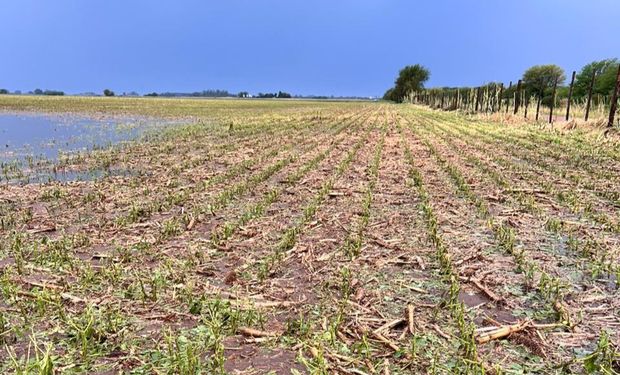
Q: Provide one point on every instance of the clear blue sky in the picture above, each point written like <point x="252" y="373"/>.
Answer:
<point x="340" y="47"/>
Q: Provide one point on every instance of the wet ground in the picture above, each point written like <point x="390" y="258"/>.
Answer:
<point x="356" y="239"/>
<point x="31" y="140"/>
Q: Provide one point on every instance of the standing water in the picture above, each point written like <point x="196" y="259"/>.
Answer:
<point x="27" y="139"/>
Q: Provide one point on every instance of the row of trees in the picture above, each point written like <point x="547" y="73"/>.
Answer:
<point x="541" y="85"/>
<point x="279" y="94"/>
<point x="204" y="93"/>
<point x="538" y="81"/>
<point x="35" y="92"/>
<point x="213" y="94"/>
<point x="196" y="94"/>
<point x="49" y="92"/>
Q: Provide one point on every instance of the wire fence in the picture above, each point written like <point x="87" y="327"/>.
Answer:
<point x="493" y="98"/>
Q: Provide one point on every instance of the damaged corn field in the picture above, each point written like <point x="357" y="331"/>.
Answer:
<point x="300" y="237"/>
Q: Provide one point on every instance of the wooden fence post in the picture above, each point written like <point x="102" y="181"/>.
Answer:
<point x="614" y="100"/>
<point x="501" y="92"/>
<point x="518" y="97"/>
<point x="538" y="106"/>
<point x="589" y="102"/>
<point x="486" y="98"/>
<point x="508" y="98"/>
<point x="477" y="99"/>
<point x="555" y="87"/>
<point x="527" y="104"/>
<point x="570" y="95"/>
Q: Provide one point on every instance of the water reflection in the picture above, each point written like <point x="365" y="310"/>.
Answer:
<point x="30" y="141"/>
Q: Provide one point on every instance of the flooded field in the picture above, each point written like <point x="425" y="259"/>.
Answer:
<point x="33" y="144"/>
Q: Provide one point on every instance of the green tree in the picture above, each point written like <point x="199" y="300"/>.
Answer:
<point x="108" y="92"/>
<point x="539" y="79"/>
<point x="388" y="94"/>
<point x="411" y="78"/>
<point x="606" y="83"/>
<point x="4" y="91"/>
<point x="605" y="73"/>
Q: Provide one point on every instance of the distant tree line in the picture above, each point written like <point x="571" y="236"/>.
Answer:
<point x="48" y="92"/>
<point x="196" y="94"/>
<point x="279" y="95"/>
<point x="204" y="93"/>
<point x="220" y="94"/>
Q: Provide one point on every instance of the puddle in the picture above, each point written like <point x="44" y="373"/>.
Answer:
<point x="253" y="359"/>
<point x="472" y="299"/>
<point x="41" y="177"/>
<point x="487" y="308"/>
<point x="610" y="281"/>
<point x="31" y="143"/>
